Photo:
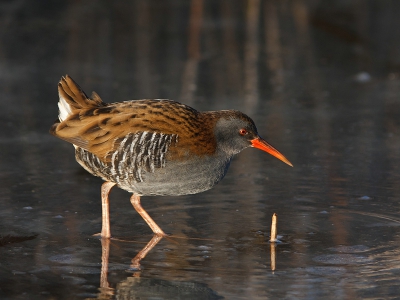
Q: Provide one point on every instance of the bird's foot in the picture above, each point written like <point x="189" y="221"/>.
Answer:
<point x="99" y="235"/>
<point x="162" y="234"/>
<point x="135" y="266"/>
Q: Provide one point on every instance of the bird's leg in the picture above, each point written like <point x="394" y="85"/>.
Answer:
<point x="135" y="200"/>
<point x="105" y="209"/>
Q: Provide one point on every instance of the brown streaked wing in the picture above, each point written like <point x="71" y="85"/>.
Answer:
<point x="99" y="130"/>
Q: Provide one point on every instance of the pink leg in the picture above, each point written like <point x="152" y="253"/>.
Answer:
<point x="105" y="211"/>
<point x="135" y="200"/>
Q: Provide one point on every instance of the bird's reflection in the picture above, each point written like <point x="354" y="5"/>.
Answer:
<point x="134" y="281"/>
<point x="135" y="265"/>
<point x="106" y="292"/>
<point x="135" y="287"/>
<point x="105" y="289"/>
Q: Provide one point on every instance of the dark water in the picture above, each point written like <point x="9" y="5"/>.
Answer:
<point x="321" y="81"/>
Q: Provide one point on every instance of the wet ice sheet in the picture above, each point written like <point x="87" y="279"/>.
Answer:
<point x="321" y="84"/>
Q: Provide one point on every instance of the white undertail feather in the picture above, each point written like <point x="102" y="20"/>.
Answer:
<point x="64" y="109"/>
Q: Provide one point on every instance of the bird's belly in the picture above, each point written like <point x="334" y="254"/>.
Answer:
<point x="180" y="178"/>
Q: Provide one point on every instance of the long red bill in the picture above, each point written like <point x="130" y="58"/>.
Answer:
<point x="259" y="143"/>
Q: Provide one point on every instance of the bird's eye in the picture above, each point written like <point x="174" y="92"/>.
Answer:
<point x="243" y="131"/>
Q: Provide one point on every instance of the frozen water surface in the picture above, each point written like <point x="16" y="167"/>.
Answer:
<point x="322" y="83"/>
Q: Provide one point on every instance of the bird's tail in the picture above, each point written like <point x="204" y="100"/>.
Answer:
<point x="73" y="98"/>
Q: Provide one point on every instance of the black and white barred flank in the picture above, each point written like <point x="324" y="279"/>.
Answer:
<point x="138" y="152"/>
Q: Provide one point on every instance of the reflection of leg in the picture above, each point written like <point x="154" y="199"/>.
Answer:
<point x="142" y="254"/>
<point x="135" y="200"/>
<point x="105" y="252"/>
<point x="105" y="289"/>
<point x="105" y="210"/>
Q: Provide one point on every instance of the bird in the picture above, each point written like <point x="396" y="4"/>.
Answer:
<point x="151" y="147"/>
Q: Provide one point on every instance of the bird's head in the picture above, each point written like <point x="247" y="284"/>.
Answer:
<point x="234" y="132"/>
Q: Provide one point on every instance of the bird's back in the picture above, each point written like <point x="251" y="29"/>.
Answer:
<point x="148" y="147"/>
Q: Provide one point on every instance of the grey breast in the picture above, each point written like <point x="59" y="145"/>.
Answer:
<point x="139" y="165"/>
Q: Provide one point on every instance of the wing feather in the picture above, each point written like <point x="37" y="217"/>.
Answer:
<point x="99" y="127"/>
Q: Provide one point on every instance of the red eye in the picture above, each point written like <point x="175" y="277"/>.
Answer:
<point x="242" y="131"/>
